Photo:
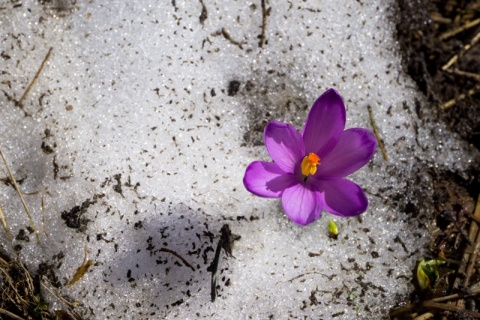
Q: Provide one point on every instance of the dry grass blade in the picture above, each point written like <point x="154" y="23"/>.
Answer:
<point x="460" y="29"/>
<point x="409" y="308"/>
<point x="467" y="262"/>
<point x="69" y="306"/>
<point x="476" y="246"/>
<point x="43" y="217"/>
<point x="5" y="225"/>
<point x="11" y="315"/>
<point x="12" y="178"/>
<point x="455" y="296"/>
<point x="425" y="316"/>
<point x="264" y="24"/>
<point x="24" y="95"/>
<point x="464" y="50"/>
<point x="377" y="135"/>
<point x="463" y="96"/>
<point x="451" y="308"/>
<point x="477" y="219"/>
<point x="472" y="75"/>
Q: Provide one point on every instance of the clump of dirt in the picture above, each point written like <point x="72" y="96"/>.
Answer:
<point x="74" y="217"/>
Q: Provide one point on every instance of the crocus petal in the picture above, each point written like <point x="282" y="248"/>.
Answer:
<point x="266" y="179"/>
<point x="284" y="144"/>
<point x="324" y="124"/>
<point x="342" y="197"/>
<point x="354" y="149"/>
<point x="302" y="203"/>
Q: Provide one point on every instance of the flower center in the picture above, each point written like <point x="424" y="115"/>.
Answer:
<point x="310" y="163"/>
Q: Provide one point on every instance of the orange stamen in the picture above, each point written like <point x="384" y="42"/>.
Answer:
<point x="310" y="163"/>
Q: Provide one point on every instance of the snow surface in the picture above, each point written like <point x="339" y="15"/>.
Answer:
<point x="135" y="117"/>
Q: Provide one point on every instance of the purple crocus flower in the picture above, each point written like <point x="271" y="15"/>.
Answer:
<point x="309" y="169"/>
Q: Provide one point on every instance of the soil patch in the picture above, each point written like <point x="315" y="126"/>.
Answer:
<point x="440" y="43"/>
<point x="440" y="46"/>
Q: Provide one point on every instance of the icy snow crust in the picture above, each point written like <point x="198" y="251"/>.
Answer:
<point x="146" y="116"/>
